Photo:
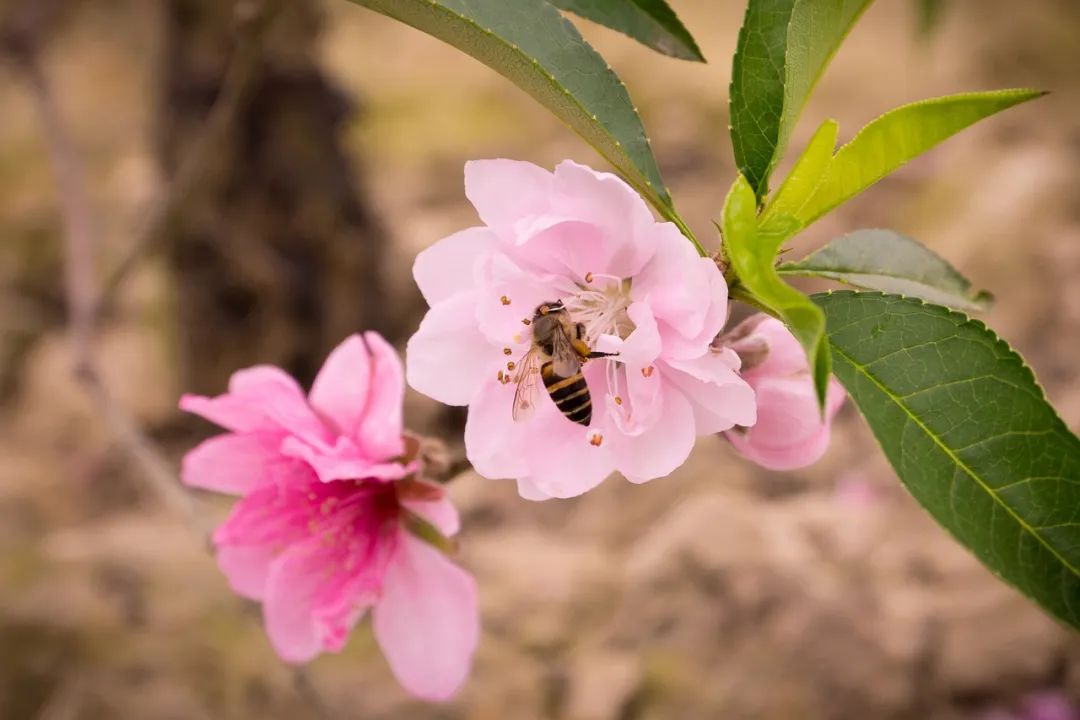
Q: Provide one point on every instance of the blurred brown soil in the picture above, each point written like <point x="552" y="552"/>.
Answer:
<point x="720" y="592"/>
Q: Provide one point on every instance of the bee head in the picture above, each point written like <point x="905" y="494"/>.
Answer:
<point x="548" y="307"/>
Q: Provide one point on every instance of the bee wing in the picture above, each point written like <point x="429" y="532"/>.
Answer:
<point x="564" y="357"/>
<point x="527" y="378"/>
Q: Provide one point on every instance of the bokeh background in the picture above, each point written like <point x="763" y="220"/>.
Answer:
<point x="723" y="591"/>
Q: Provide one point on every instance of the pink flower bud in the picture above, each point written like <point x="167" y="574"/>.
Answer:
<point x="790" y="432"/>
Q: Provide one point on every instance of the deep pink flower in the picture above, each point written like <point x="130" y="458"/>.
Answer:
<point x="789" y="432"/>
<point x="638" y="287"/>
<point x="322" y="530"/>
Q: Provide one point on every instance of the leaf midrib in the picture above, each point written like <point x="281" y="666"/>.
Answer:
<point x="948" y="451"/>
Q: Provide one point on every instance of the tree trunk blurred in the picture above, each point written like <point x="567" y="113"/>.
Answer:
<point x="276" y="254"/>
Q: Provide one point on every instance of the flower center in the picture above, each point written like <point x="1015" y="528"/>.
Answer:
<point x="600" y="306"/>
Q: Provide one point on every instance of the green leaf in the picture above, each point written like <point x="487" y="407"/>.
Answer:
<point x="651" y="22"/>
<point x="805" y="176"/>
<point x="540" y="51"/>
<point x="898" y="136"/>
<point x="756" y="98"/>
<point x="888" y="261"/>
<point x="751" y="253"/>
<point x="783" y="48"/>
<point x="971" y="435"/>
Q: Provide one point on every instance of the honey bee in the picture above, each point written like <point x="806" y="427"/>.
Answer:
<point x="557" y="353"/>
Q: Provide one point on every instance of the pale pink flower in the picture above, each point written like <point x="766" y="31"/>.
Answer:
<point x="637" y="286"/>
<point x="321" y="532"/>
<point x="790" y="432"/>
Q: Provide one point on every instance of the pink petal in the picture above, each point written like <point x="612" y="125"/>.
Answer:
<point x="504" y="191"/>
<point x="494" y="443"/>
<point x="661" y="448"/>
<point x="426" y="620"/>
<point x="528" y="491"/>
<point x="229" y="412"/>
<point x="676" y="284"/>
<point x="785" y="357"/>
<point x="289" y="605"/>
<point x="236" y="463"/>
<point x="440" y="513"/>
<point x="382" y="426"/>
<point x="559" y="245"/>
<point x="344" y="462"/>
<point x="719" y="397"/>
<point x="642" y="345"/>
<point x="508" y="296"/>
<point x="448" y="359"/>
<point x="246" y="567"/>
<point x="566" y="463"/>
<point x="282" y="400"/>
<point x="340" y="391"/>
<point x="449" y="266"/>
<point x="789" y="432"/>
<point x="605" y="201"/>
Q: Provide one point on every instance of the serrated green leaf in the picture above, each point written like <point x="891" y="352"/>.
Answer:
<point x="651" y="22"/>
<point x="898" y="136"/>
<point x="971" y="435"/>
<point x="756" y="98"/>
<point x="782" y="51"/>
<point x="805" y="175"/>
<point x="751" y="254"/>
<point x="541" y="52"/>
<point x="888" y="261"/>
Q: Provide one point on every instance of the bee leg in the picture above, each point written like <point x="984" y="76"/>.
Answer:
<point x="593" y="355"/>
<point x="581" y="348"/>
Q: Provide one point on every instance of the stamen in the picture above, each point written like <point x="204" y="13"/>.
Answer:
<point x="500" y="376"/>
<point x="618" y="400"/>
<point x="596" y="440"/>
<point x="504" y="300"/>
<point x="507" y="351"/>
<point x="588" y="277"/>
<point x="510" y="365"/>
<point x="647" y="371"/>
<point x="526" y="321"/>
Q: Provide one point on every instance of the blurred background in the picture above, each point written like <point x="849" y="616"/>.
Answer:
<point x="334" y="154"/>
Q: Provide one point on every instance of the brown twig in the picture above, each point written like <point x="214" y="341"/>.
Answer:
<point x="83" y="298"/>
<point x="80" y="249"/>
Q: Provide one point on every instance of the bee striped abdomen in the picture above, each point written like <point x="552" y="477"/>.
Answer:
<point x="570" y="394"/>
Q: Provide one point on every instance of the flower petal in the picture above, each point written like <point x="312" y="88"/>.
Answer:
<point x="382" y="426"/>
<point x="340" y="391"/>
<point x="661" y="448"/>
<point x="246" y="567"/>
<point x="494" y="443"/>
<point x="719" y="397"/>
<point x="344" y="462"/>
<point x="628" y="229"/>
<point x="281" y="399"/>
<point x="231" y="413"/>
<point x="440" y="513"/>
<point x="289" y="603"/>
<point x="236" y="463"/>
<point x="563" y="460"/>
<point x="449" y="266"/>
<point x="426" y="620"/>
<point x="504" y="191"/>
<point x="528" y="491"/>
<point x="448" y="359"/>
<point x="789" y="432"/>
